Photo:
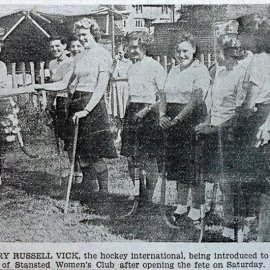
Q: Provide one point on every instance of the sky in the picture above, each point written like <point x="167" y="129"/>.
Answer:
<point x="52" y="9"/>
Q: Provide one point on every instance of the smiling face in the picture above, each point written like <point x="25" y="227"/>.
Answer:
<point x="85" y="37"/>
<point x="57" y="48"/>
<point x="184" y="53"/>
<point x="135" y="50"/>
<point x="76" y="47"/>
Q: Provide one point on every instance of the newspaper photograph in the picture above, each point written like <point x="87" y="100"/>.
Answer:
<point x="134" y="135"/>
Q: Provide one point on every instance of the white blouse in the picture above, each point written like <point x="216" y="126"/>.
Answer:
<point x="88" y="65"/>
<point x="145" y="78"/>
<point x="180" y="83"/>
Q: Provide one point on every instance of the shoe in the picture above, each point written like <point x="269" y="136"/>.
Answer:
<point x="212" y="219"/>
<point x="226" y="239"/>
<point x="214" y="237"/>
<point x="180" y="220"/>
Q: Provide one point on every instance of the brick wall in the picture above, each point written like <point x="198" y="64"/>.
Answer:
<point x="199" y="21"/>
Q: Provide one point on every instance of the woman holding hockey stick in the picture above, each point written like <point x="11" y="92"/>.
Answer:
<point x="182" y="108"/>
<point x="141" y="136"/>
<point x="92" y="68"/>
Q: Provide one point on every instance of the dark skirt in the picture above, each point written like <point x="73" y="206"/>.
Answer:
<point x="95" y="139"/>
<point x="217" y="152"/>
<point x="232" y="151"/>
<point x="143" y="138"/>
<point x="251" y="161"/>
<point x="61" y="120"/>
<point x="180" y="144"/>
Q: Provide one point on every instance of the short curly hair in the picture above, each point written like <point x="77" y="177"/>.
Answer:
<point x="184" y="37"/>
<point x="91" y="24"/>
<point x="177" y="38"/>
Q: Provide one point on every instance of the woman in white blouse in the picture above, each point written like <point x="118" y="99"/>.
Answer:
<point x="182" y="108"/>
<point x="92" y="69"/>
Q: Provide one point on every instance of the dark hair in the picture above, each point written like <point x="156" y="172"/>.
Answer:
<point x="248" y="22"/>
<point x="91" y="24"/>
<point x="184" y="37"/>
<point x="62" y="39"/>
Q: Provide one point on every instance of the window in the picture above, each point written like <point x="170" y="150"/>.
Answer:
<point x="164" y="9"/>
<point x="138" y="8"/>
<point x="139" y="23"/>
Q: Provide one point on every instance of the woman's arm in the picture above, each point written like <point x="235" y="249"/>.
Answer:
<point x="102" y="84"/>
<point x="195" y="100"/>
<point x="57" y="86"/>
<point x="164" y="121"/>
<point x="101" y="87"/>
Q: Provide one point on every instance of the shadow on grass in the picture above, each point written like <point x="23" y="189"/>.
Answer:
<point x="146" y="225"/>
<point x="35" y="183"/>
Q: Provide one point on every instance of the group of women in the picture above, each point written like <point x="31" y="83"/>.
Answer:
<point x="195" y="121"/>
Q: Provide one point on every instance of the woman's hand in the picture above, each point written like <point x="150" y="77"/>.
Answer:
<point x="165" y="122"/>
<point x="263" y="135"/>
<point x="205" y="128"/>
<point x="79" y="115"/>
<point x="141" y="114"/>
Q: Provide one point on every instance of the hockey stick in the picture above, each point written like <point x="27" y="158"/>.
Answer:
<point x="137" y="182"/>
<point x="74" y="148"/>
<point x="163" y="189"/>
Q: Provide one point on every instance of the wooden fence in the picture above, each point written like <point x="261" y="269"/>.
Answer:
<point x="115" y="102"/>
<point x="25" y="74"/>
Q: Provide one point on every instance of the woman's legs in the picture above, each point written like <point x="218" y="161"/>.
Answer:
<point x="135" y="164"/>
<point x="101" y="170"/>
<point x="232" y="202"/>
<point x="264" y="217"/>
<point x="198" y="199"/>
<point x="182" y="197"/>
<point x="151" y="169"/>
<point x="89" y="184"/>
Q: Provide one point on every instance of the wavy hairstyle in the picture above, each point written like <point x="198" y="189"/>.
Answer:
<point x="91" y="24"/>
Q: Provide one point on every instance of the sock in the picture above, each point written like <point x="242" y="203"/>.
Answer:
<point x="194" y="213"/>
<point x="228" y="232"/>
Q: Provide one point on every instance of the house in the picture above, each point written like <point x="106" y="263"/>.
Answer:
<point x="25" y="33"/>
<point x="144" y="17"/>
